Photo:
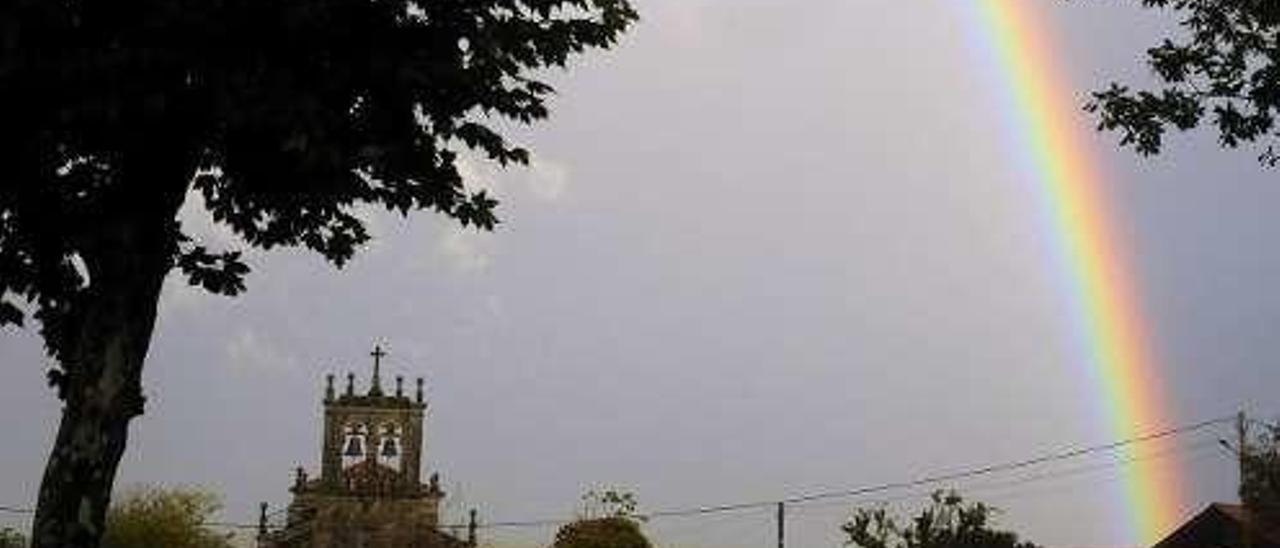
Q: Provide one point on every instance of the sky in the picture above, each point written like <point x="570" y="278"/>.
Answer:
<point x="761" y="251"/>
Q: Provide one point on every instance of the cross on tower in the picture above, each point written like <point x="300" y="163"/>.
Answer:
<point x="376" y="386"/>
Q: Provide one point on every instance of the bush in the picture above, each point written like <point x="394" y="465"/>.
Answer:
<point x="152" y="517"/>
<point x="11" y="538"/>
<point x="609" y="532"/>
<point x="948" y="522"/>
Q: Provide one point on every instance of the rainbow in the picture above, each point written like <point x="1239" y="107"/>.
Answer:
<point x="1049" y="127"/>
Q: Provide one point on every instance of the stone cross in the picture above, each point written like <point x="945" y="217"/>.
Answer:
<point x="378" y="353"/>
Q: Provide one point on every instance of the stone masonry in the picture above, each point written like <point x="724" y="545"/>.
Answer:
<point x="369" y="493"/>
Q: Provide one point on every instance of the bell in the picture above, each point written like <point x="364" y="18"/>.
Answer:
<point x="355" y="447"/>
<point x="389" y="449"/>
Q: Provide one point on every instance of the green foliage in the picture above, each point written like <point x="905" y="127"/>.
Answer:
<point x="288" y="118"/>
<point x="284" y="116"/>
<point x="611" y="503"/>
<point x="1223" y="66"/>
<point x="11" y="538"/>
<point x="610" y="532"/>
<point x="947" y="523"/>
<point x="610" y="519"/>
<point x="151" y="517"/>
<point x="1260" y="481"/>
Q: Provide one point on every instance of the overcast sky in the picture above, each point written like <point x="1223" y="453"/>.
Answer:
<point x="762" y="250"/>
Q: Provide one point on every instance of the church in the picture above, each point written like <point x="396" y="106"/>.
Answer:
<point x="369" y="493"/>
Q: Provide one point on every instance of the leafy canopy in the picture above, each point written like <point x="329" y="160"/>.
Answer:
<point x="611" y="502"/>
<point x="607" y="532"/>
<point x="147" y="517"/>
<point x="609" y="519"/>
<point x="1260" y="471"/>
<point x="283" y="115"/>
<point x="948" y="522"/>
<point x="1221" y="69"/>
<point x="11" y="538"/>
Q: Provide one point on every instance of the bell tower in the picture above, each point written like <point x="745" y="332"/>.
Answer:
<point x="369" y="492"/>
<point x="372" y="440"/>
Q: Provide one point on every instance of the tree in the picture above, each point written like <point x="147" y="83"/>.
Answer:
<point x="947" y="523"/>
<point x="611" y="503"/>
<point x="150" y="517"/>
<point x="606" y="532"/>
<point x="283" y="116"/>
<point x="9" y="538"/>
<point x="1224" y="66"/>
<point x="1260" y="472"/>
<point x="609" y="520"/>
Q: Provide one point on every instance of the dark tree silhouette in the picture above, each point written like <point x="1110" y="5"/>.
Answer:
<point x="947" y="523"/>
<point x="607" y="532"/>
<point x="1223" y="67"/>
<point x="1260" y="471"/>
<point x="283" y="115"/>
<point x="609" y="519"/>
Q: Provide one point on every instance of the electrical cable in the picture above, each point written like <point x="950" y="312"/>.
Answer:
<point x="1066" y="454"/>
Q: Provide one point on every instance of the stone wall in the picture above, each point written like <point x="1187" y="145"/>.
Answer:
<point x="326" y="521"/>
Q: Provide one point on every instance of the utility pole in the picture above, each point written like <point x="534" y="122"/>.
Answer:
<point x="1242" y="437"/>
<point x="782" y="519"/>
<point x="262" y="521"/>
<point x="471" y="528"/>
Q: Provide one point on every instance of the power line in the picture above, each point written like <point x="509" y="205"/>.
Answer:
<point x="1199" y="447"/>
<point x="1000" y="489"/>
<point x="893" y="486"/>
<point x="952" y="476"/>
<point x="1056" y="474"/>
<point x="1015" y="465"/>
<point x="1008" y="490"/>
<point x="223" y="524"/>
<point x="1067" y="454"/>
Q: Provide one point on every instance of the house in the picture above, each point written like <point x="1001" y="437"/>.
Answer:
<point x="1224" y="526"/>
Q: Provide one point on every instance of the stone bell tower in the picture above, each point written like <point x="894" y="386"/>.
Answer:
<point x="369" y="493"/>
<point x="373" y="441"/>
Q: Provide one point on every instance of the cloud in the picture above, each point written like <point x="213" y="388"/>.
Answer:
<point x="477" y="174"/>
<point x="250" y="353"/>
<point x="548" y="179"/>
<point x="544" y="178"/>
<point x="689" y="21"/>
<point x="467" y="251"/>
<point x="178" y="297"/>
<point x="494" y="307"/>
<point x="199" y="224"/>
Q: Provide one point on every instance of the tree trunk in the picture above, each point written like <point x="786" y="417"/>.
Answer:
<point x="103" y="393"/>
<point x="106" y="342"/>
